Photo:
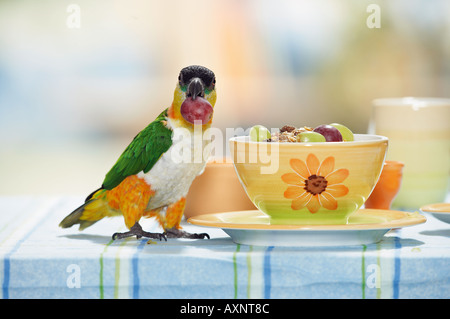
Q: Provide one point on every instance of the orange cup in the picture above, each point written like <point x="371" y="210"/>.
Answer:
<point x="387" y="187"/>
<point x="217" y="190"/>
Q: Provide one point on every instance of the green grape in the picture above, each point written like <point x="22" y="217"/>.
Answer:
<point x="310" y="136"/>
<point x="259" y="133"/>
<point x="347" y="134"/>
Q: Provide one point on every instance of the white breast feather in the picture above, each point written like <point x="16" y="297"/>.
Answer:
<point x="172" y="175"/>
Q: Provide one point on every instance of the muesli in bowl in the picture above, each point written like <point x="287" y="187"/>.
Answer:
<point x="334" y="132"/>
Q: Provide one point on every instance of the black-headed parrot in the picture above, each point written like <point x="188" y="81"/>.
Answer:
<point x="153" y="175"/>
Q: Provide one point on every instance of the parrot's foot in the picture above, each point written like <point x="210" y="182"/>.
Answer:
<point x="178" y="233"/>
<point x="137" y="231"/>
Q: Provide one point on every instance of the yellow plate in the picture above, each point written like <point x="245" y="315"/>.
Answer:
<point x="253" y="227"/>
<point x="362" y="219"/>
<point x="439" y="210"/>
<point x="436" y="208"/>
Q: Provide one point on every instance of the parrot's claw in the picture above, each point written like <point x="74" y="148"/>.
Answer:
<point x="177" y="233"/>
<point x="137" y="231"/>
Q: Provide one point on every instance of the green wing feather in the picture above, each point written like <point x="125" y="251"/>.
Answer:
<point x="142" y="153"/>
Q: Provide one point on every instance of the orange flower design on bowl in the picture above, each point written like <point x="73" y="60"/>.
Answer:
<point x="314" y="184"/>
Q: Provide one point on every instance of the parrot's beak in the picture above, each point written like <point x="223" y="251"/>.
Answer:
<point x="195" y="89"/>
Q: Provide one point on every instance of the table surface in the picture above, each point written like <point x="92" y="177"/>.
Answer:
<point x="40" y="260"/>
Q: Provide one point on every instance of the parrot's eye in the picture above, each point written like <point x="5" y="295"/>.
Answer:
<point x="211" y="86"/>
<point x="181" y="82"/>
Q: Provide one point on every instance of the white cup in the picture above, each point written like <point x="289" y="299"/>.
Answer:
<point x="419" y="135"/>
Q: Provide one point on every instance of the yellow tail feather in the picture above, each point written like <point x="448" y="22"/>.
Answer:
<point x="94" y="209"/>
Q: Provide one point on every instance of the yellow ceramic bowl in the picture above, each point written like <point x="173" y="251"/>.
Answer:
<point x="309" y="183"/>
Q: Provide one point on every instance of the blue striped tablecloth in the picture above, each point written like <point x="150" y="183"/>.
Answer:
<point x="40" y="260"/>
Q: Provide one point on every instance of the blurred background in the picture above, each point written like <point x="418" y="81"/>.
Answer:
<point x="74" y="92"/>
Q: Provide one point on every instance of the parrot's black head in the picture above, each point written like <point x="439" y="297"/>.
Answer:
<point x="196" y="80"/>
<point x="194" y="97"/>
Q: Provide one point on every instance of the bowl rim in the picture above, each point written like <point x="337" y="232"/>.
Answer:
<point x="408" y="101"/>
<point x="371" y="139"/>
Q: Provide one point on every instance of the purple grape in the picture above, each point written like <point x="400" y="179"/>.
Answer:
<point x="196" y="110"/>
<point x="330" y="133"/>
